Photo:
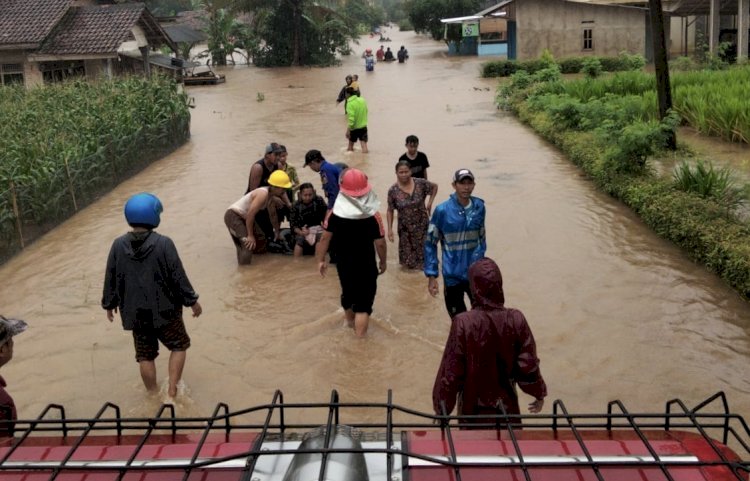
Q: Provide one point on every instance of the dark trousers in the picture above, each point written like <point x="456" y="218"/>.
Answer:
<point x="454" y="298"/>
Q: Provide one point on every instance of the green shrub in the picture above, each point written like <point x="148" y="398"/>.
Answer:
<point x="571" y="65"/>
<point x="682" y="64"/>
<point x="548" y="74"/>
<point x="532" y="66"/>
<point x="592" y="67"/>
<point x="626" y="62"/>
<point x="706" y="181"/>
<point x="498" y="68"/>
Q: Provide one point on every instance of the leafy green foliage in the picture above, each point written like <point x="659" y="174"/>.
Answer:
<point x="621" y="63"/>
<point x="592" y="67"/>
<point x="612" y="138"/>
<point x="66" y="144"/>
<point x="708" y="182"/>
<point x="425" y="15"/>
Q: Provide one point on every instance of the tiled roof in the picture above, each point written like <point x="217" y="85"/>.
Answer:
<point x="29" y="21"/>
<point x="93" y="29"/>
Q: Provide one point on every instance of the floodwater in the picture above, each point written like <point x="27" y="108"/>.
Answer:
<point x="617" y="312"/>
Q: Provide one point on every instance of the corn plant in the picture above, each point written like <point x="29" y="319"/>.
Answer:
<point x="64" y="144"/>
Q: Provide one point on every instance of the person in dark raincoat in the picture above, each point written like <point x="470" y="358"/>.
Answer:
<point x="490" y="350"/>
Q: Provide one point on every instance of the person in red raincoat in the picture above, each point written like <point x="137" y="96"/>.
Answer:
<point x="490" y="350"/>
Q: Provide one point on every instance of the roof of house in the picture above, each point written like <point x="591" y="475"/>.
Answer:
<point x="184" y="33"/>
<point x="679" y="7"/>
<point x="101" y="29"/>
<point x="28" y="22"/>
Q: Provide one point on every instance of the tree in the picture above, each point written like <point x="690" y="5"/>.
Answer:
<point x="298" y="32"/>
<point x="425" y="15"/>
<point x="661" y="66"/>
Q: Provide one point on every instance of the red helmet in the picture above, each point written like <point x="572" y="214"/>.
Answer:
<point x="354" y="183"/>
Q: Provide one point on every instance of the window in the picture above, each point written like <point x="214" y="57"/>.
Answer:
<point x="588" y="38"/>
<point x="53" y="72"/>
<point x="11" y="74"/>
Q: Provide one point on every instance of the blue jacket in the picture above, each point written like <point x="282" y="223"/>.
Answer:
<point x="462" y="239"/>
<point x="329" y="176"/>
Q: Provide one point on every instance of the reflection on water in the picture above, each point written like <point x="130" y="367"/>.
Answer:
<point x="617" y="312"/>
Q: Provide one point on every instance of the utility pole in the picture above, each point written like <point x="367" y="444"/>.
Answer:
<point x="661" y="66"/>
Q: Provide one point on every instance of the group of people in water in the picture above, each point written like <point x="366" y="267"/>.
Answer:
<point x="383" y="55"/>
<point x="490" y="349"/>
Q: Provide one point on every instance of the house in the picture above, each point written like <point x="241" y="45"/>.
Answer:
<point x="523" y="29"/>
<point x="46" y="41"/>
<point x="697" y="23"/>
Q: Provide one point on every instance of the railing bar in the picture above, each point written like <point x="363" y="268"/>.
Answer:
<point x="278" y="397"/>
<point x="446" y="429"/>
<point x="389" y="436"/>
<point x="514" y="440"/>
<point x="203" y="438"/>
<point x="18" y="442"/>
<point x="83" y="435"/>
<point x="579" y="439"/>
<point x="142" y="442"/>
<point x="332" y="414"/>
<point x="644" y="440"/>
<point x="701" y="430"/>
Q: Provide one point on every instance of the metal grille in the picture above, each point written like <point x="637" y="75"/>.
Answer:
<point x="703" y="425"/>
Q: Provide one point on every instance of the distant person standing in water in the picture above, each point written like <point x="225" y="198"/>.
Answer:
<point x="402" y="55"/>
<point x="356" y="226"/>
<point x="389" y="55"/>
<point x="417" y="160"/>
<point x="9" y="328"/>
<point x="458" y="226"/>
<point x="356" y="117"/>
<point x="145" y="280"/>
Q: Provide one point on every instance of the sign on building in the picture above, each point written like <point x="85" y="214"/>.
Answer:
<point x="470" y="30"/>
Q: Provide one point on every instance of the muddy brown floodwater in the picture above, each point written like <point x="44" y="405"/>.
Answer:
<point x="617" y="312"/>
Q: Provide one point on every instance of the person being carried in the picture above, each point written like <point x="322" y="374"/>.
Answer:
<point x="308" y="215"/>
<point x="9" y="328"/>
<point x="146" y="281"/>
<point x="369" y="60"/>
<point x="355" y="84"/>
<point x="241" y="218"/>
<point x="458" y="225"/>
<point x="356" y="116"/>
<point x="417" y="160"/>
<point x="389" y="55"/>
<point x="342" y="94"/>
<point x="489" y="352"/>
<point x="358" y="229"/>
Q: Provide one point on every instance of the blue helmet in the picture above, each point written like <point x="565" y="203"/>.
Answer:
<point x="143" y="209"/>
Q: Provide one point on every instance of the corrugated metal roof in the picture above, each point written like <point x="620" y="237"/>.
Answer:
<point x="184" y="33"/>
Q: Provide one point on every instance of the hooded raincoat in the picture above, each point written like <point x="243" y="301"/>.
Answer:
<point x="146" y="281"/>
<point x="490" y="350"/>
